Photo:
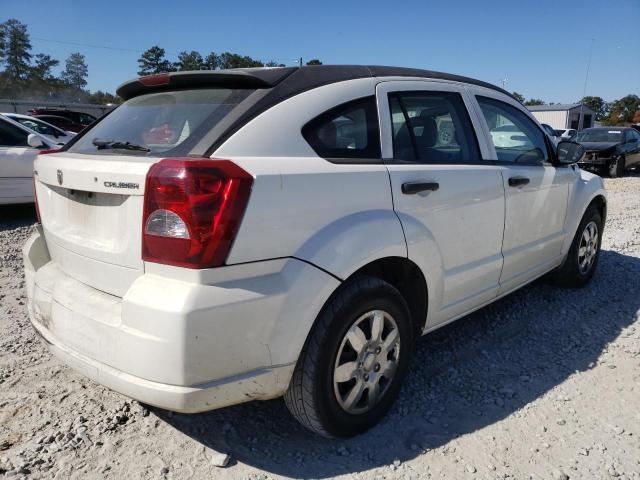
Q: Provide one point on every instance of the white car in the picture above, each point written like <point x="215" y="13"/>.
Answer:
<point x="566" y="133"/>
<point x="509" y="136"/>
<point x="19" y="147"/>
<point x="44" y="129"/>
<point x="246" y="234"/>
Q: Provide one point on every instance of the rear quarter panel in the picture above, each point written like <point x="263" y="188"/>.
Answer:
<point x="338" y="217"/>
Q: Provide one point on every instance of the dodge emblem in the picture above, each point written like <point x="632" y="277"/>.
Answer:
<point x="59" y="173"/>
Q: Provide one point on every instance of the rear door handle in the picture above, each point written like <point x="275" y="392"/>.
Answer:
<point x="518" y="181"/>
<point x="411" y="188"/>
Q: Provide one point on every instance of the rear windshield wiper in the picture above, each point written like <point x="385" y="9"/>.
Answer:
<point x="118" y="145"/>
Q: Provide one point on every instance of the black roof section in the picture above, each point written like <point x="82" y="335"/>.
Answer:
<point x="291" y="79"/>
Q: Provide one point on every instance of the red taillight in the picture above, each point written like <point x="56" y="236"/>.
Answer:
<point x="192" y="210"/>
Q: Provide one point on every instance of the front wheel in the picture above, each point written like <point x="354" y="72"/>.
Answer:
<point x="582" y="259"/>
<point x="355" y="358"/>
<point x="616" y="168"/>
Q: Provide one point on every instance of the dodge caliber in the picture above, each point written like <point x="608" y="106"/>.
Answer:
<point x="247" y="234"/>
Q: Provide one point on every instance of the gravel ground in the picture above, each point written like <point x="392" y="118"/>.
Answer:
<point x="543" y="384"/>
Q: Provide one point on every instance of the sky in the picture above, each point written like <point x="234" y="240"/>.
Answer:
<point x="540" y="46"/>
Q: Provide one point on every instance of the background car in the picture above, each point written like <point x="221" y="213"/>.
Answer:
<point x="508" y="136"/>
<point x="16" y="161"/>
<point x="551" y="132"/>
<point x="61" y="122"/>
<point x="610" y="149"/>
<point x="53" y="133"/>
<point x="79" y="118"/>
<point x="566" y="133"/>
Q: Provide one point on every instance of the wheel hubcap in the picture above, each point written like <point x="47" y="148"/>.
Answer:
<point x="367" y="361"/>
<point x="588" y="247"/>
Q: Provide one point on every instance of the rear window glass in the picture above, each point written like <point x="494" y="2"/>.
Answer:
<point x="347" y="133"/>
<point x="165" y="123"/>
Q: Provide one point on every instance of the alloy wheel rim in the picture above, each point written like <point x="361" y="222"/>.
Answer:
<point x="588" y="247"/>
<point x="366" y="362"/>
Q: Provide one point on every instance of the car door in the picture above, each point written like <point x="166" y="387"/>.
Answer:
<point x="536" y="191"/>
<point x="16" y="164"/>
<point x="449" y="201"/>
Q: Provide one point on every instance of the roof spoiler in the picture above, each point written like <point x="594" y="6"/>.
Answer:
<point x="235" y="78"/>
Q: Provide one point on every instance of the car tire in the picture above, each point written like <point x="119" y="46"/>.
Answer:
<point x="616" y="168"/>
<point x="319" y="396"/>
<point x="581" y="261"/>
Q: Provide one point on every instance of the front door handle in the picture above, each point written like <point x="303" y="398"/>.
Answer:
<point x="411" y="188"/>
<point x="518" y="181"/>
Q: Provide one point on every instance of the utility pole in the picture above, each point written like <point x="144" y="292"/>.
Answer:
<point x="504" y="81"/>
<point x="300" y="62"/>
<point x="584" y="90"/>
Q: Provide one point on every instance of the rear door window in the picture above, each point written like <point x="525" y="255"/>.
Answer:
<point x="348" y="133"/>
<point x="432" y="127"/>
<point x="167" y="123"/>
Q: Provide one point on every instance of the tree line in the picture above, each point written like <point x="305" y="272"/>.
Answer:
<point x="29" y="76"/>
<point x="154" y="61"/>
<point x="623" y="111"/>
<point x="25" y="75"/>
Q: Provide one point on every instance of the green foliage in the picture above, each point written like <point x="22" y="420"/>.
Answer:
<point x="598" y="105"/>
<point x="75" y="71"/>
<point x="16" y="49"/>
<point x="42" y="66"/>
<point x="518" y="96"/>
<point x="25" y="76"/>
<point x="533" y="101"/>
<point x="623" y="111"/>
<point x="153" y="61"/>
<point x="189" y="61"/>
<point x="233" y="60"/>
<point x="103" y="98"/>
<point x="211" y="61"/>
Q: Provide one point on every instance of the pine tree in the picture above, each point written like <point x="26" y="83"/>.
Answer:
<point x="42" y="66"/>
<point x="153" y="61"/>
<point x="189" y="61"/>
<point x="16" y="48"/>
<point x="75" y="71"/>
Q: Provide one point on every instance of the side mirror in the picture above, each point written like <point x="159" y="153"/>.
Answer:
<point x="569" y="152"/>
<point x="35" y="141"/>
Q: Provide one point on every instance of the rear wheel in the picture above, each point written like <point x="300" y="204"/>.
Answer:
<point x="353" y="363"/>
<point x="582" y="259"/>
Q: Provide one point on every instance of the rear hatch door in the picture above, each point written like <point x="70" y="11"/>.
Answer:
<point x="91" y="212"/>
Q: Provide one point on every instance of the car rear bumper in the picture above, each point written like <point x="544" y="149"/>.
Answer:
<point x="176" y="344"/>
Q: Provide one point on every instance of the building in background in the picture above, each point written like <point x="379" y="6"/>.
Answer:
<point x="563" y="116"/>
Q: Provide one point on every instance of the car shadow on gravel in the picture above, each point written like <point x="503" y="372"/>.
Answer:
<point x="14" y="216"/>
<point x="464" y="377"/>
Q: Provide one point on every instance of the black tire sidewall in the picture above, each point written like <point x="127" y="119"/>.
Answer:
<point x="381" y="296"/>
<point x="619" y="169"/>
<point x="590" y="215"/>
